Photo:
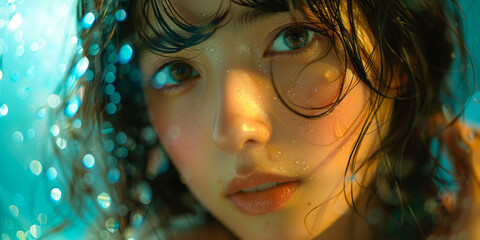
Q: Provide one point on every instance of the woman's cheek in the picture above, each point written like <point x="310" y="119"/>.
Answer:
<point x="183" y="145"/>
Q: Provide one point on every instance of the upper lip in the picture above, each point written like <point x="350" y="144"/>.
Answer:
<point x="239" y="183"/>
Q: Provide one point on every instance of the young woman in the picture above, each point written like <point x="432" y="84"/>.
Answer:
<point x="280" y="119"/>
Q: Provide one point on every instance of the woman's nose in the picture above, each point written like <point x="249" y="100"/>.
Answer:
<point x="240" y="121"/>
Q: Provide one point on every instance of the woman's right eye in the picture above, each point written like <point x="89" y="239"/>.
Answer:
<point x="174" y="74"/>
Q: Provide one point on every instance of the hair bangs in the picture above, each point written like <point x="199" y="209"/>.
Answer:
<point x="170" y="32"/>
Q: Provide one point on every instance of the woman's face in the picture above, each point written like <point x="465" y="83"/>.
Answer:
<point x="258" y="167"/>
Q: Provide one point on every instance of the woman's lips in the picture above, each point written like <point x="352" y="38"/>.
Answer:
<point x="262" y="201"/>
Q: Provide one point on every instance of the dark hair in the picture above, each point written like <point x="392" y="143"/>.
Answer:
<point x="416" y="40"/>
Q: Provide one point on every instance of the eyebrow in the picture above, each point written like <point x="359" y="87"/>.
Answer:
<point x="250" y="16"/>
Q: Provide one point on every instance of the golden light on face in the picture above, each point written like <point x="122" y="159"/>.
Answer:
<point x="259" y="167"/>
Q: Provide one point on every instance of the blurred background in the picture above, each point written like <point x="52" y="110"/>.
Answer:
<point x="37" y="39"/>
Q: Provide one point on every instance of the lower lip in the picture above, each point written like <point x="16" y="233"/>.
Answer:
<point x="265" y="201"/>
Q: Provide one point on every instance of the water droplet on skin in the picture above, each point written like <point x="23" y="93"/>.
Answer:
<point x="212" y="49"/>
<point x="339" y="129"/>
<point x="173" y="132"/>
<point x="326" y="74"/>
<point x="185" y="176"/>
<point x="297" y="162"/>
<point x="220" y="184"/>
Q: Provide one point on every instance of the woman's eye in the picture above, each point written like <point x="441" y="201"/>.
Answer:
<point x="292" y="38"/>
<point x="173" y="74"/>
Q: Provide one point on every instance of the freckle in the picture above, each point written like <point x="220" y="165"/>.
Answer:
<point x="309" y="203"/>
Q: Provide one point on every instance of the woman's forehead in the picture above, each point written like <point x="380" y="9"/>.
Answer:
<point x="199" y="12"/>
<point x="195" y="9"/>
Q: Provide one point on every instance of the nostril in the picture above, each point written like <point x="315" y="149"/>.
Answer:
<point x="250" y="142"/>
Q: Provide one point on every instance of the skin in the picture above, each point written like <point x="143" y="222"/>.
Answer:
<point x="229" y="122"/>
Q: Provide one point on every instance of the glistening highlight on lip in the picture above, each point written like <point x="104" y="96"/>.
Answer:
<point x="260" y="193"/>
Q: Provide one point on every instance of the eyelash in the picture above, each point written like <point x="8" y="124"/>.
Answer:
<point x="313" y="35"/>
<point x="177" y="86"/>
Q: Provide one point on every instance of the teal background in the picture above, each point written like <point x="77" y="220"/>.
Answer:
<point x="32" y="58"/>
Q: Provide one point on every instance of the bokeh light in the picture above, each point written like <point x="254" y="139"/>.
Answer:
<point x="104" y="200"/>
<point x="36" y="167"/>
<point x="88" y="161"/>
<point x="37" y="40"/>
<point x="56" y="194"/>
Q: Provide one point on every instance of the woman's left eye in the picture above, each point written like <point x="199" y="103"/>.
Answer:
<point x="292" y="38"/>
<point x="174" y="74"/>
